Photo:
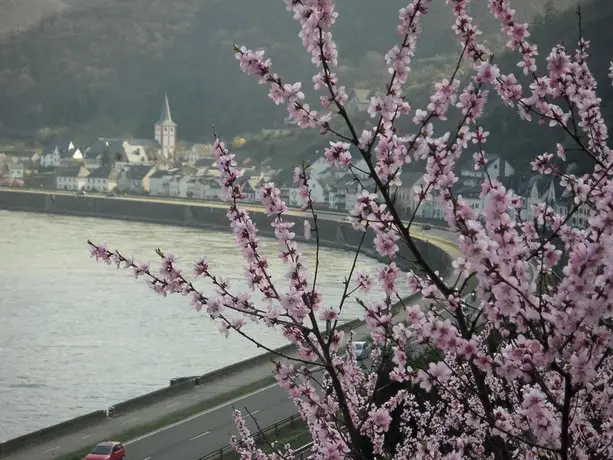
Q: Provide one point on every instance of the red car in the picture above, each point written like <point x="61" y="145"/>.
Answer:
<point x="109" y="450"/>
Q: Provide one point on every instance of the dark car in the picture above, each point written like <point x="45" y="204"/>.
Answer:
<point x="108" y="450"/>
<point x="362" y="351"/>
<point x="426" y="227"/>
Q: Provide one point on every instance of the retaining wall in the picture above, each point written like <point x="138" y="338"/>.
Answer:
<point x="150" y="398"/>
<point x="332" y="233"/>
<point x="67" y="427"/>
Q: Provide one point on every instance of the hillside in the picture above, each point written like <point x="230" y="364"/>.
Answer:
<point x="21" y="14"/>
<point x="517" y="140"/>
<point x="521" y="141"/>
<point x="103" y="68"/>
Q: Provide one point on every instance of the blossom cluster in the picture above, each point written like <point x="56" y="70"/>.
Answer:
<point x="522" y="371"/>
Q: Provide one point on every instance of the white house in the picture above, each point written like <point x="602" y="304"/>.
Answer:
<point x="425" y="209"/>
<point x="318" y="193"/>
<point x="319" y="166"/>
<point x="540" y="189"/>
<point x="137" y="150"/>
<point x="103" y="179"/>
<point x="58" y="152"/>
<point x="211" y="188"/>
<point x="135" y="179"/>
<point x="16" y="170"/>
<point x="496" y="167"/>
<point x="159" y="182"/>
<point x="341" y="193"/>
<point x="177" y="186"/>
<point x="199" y="151"/>
<point x="120" y="152"/>
<point x="104" y="151"/>
<point x="404" y="193"/>
<point x="468" y="185"/>
<point x="359" y="99"/>
<point x="92" y="160"/>
<point x="72" y="178"/>
<point x="194" y="188"/>
<point x="205" y="167"/>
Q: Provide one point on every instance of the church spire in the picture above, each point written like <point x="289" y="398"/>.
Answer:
<point x="165" y="116"/>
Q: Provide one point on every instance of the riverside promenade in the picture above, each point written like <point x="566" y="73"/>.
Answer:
<point x="197" y="418"/>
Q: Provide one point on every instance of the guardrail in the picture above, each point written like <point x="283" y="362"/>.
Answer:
<point x="260" y="435"/>
<point x="304" y="449"/>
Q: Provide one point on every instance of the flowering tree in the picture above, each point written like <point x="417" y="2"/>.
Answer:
<point x="526" y="371"/>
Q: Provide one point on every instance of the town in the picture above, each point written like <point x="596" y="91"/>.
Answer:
<point x="165" y="167"/>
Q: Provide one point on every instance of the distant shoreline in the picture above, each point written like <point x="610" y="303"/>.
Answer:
<point x="333" y="230"/>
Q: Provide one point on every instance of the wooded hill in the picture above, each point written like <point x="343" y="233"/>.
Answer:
<point x="102" y="69"/>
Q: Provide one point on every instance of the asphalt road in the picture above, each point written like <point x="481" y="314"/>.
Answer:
<point x="199" y="435"/>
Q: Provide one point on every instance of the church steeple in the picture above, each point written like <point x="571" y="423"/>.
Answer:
<point x="165" y="117"/>
<point x="166" y="131"/>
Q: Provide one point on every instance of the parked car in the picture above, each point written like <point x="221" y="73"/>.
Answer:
<point x="362" y="350"/>
<point x="426" y="227"/>
<point x="108" y="450"/>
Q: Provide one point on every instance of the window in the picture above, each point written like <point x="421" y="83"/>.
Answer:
<point x="101" y="449"/>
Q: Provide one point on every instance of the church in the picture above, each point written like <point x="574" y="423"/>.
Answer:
<point x="166" y="131"/>
<point x="123" y="151"/>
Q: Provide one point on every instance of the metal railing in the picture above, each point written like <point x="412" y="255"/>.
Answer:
<point x="258" y="436"/>
<point x="304" y="450"/>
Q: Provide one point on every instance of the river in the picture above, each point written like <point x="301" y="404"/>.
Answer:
<point x="78" y="336"/>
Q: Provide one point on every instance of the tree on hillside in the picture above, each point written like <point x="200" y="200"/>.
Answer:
<point x="524" y="370"/>
<point x="106" y="60"/>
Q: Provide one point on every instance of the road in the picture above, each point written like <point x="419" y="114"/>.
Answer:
<point x="210" y="430"/>
<point x="194" y="437"/>
<point x="188" y="439"/>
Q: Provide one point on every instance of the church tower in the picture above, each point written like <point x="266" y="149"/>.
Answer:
<point x="166" y="131"/>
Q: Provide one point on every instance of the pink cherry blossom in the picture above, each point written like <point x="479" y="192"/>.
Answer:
<point x="523" y="370"/>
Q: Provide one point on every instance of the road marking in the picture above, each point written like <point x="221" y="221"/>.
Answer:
<point x="200" y="435"/>
<point x="86" y="436"/>
<point x="255" y="412"/>
<point x="148" y="458"/>
<point x="51" y="450"/>
<point x="200" y="414"/>
<point x="172" y="405"/>
<point x="130" y="421"/>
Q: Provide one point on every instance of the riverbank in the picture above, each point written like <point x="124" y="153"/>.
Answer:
<point x="333" y="231"/>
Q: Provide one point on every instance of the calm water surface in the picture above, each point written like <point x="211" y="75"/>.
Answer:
<point x="77" y="336"/>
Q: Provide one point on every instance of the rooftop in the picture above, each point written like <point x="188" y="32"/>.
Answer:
<point x="137" y="172"/>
